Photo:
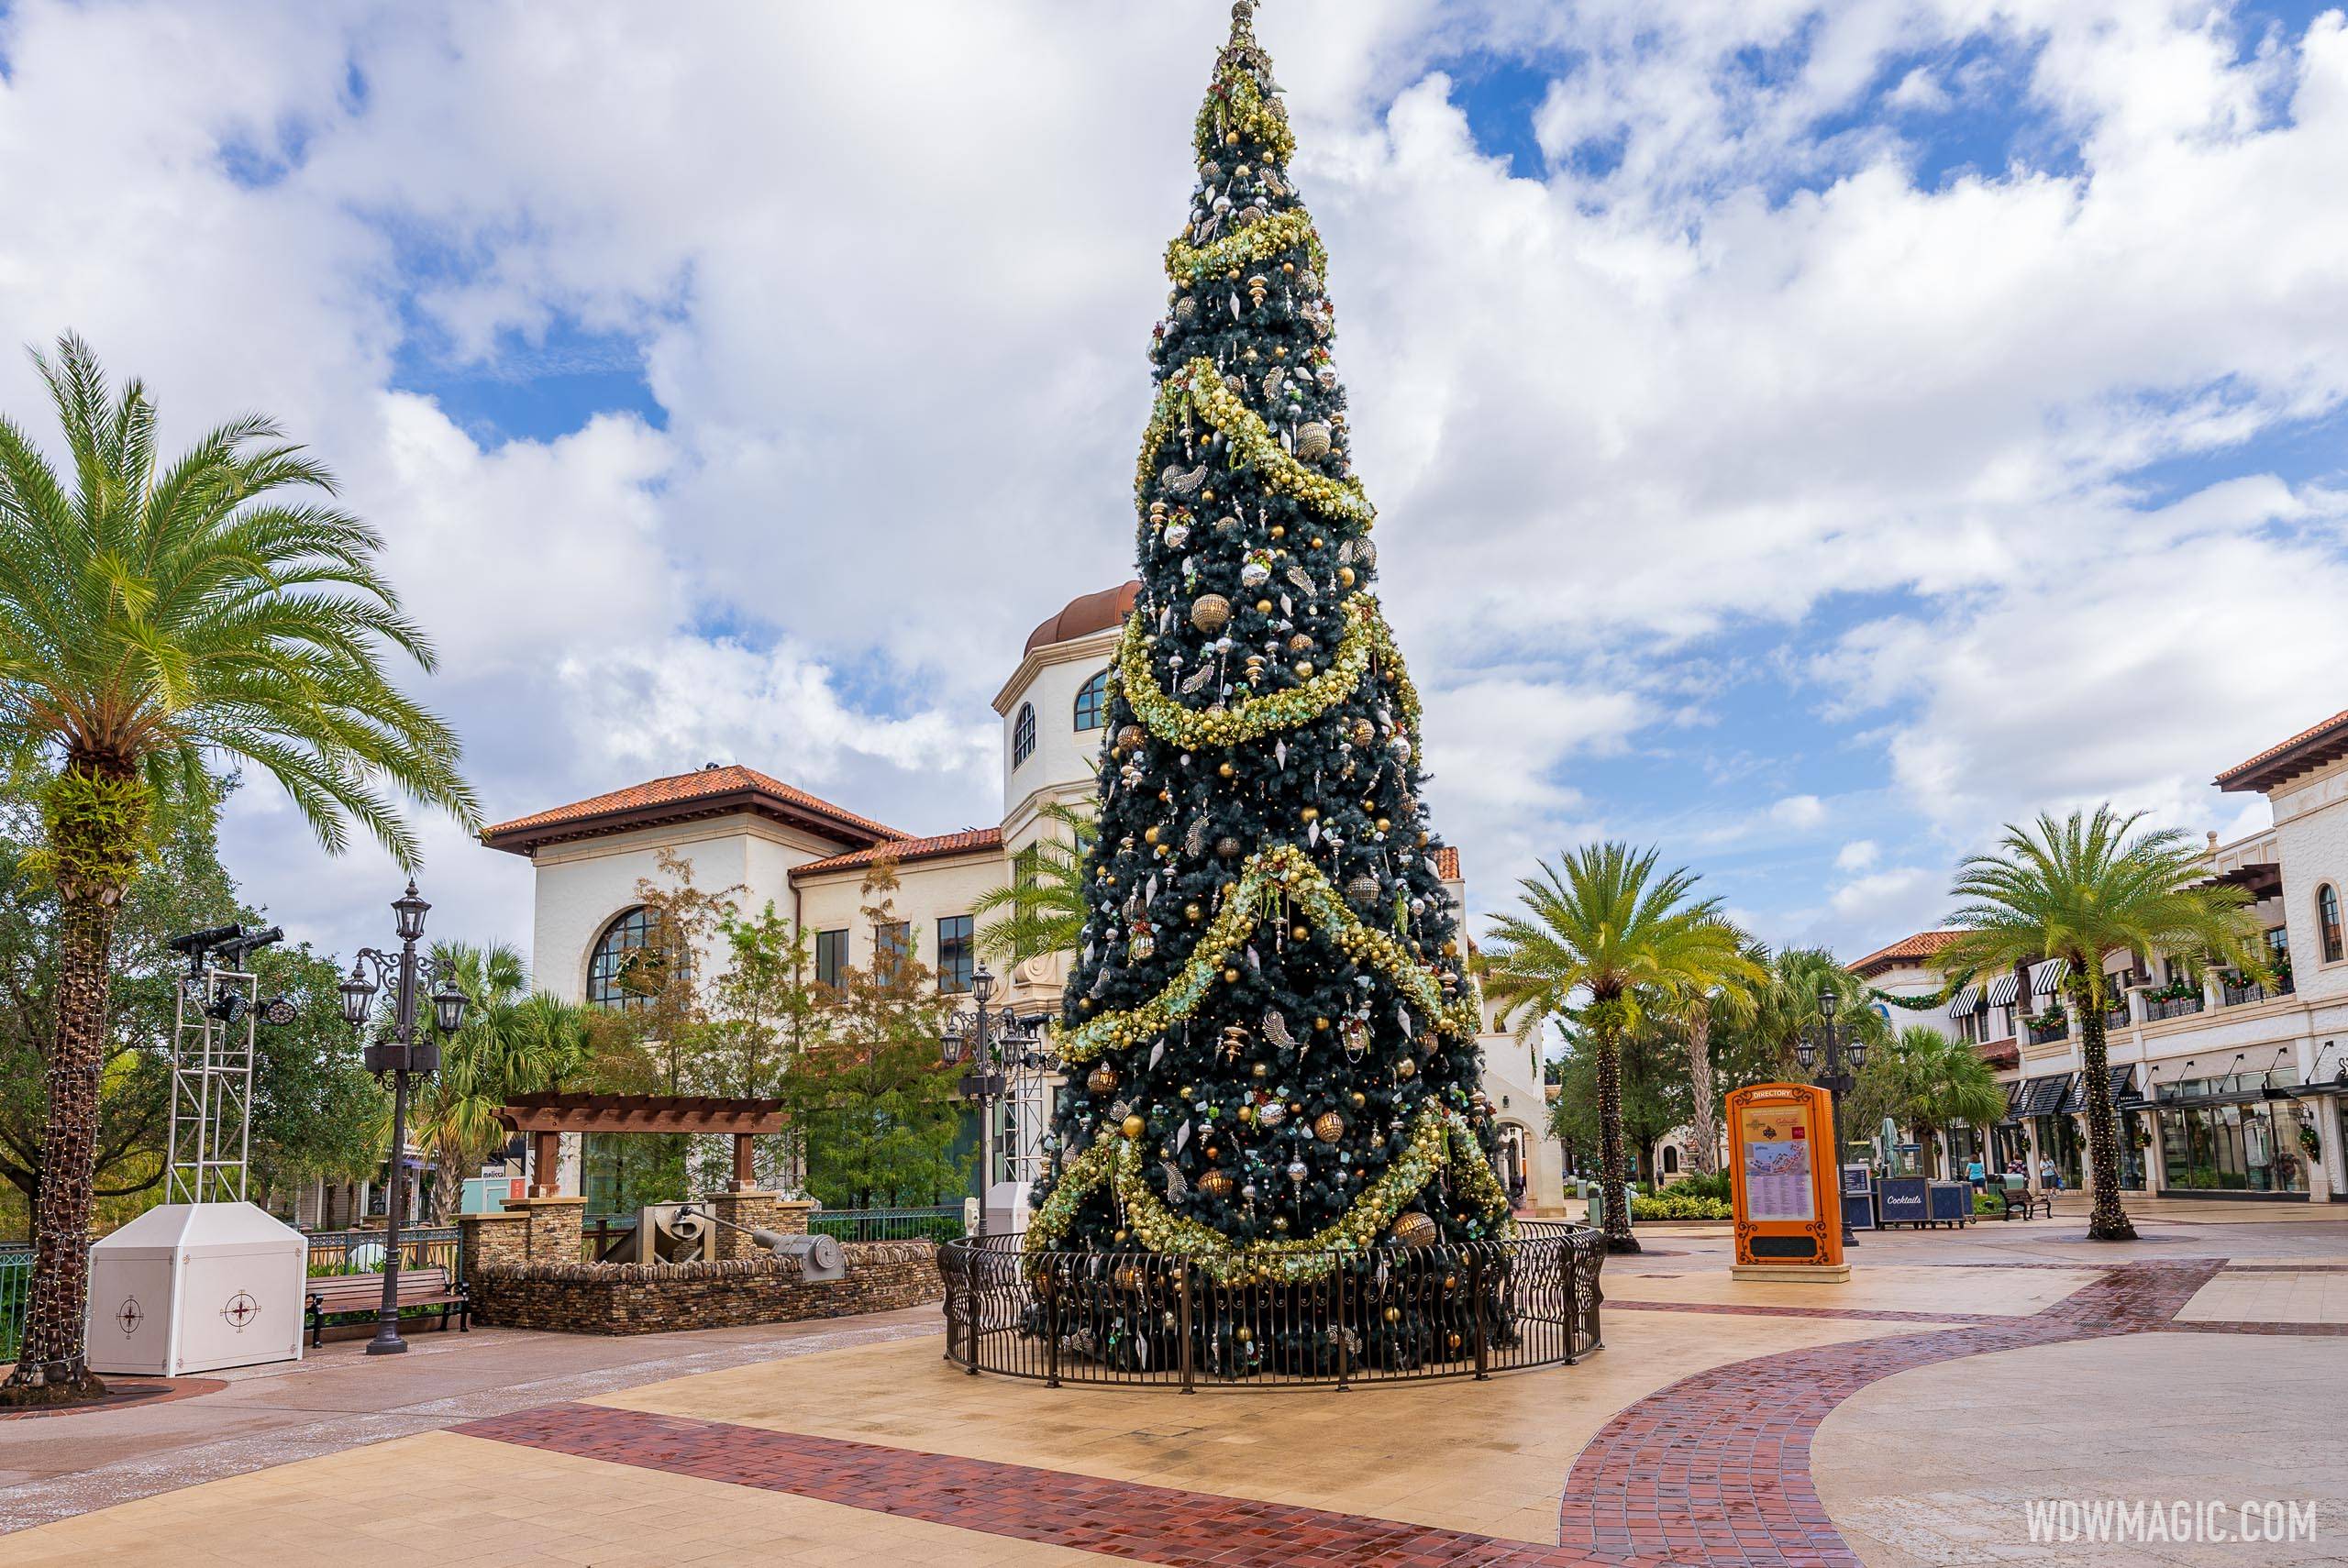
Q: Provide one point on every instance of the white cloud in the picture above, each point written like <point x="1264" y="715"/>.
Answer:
<point x="1797" y="811"/>
<point x="1857" y="855"/>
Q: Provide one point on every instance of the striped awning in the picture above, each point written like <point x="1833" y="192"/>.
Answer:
<point x="1964" y="1001"/>
<point x="2014" y="1088"/>
<point x="2046" y="978"/>
<point x="2004" y="988"/>
<point x="2124" y="1090"/>
<point x="2044" y="1097"/>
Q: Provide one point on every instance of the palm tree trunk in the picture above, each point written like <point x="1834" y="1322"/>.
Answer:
<point x="1702" y="1124"/>
<point x="1612" y="1177"/>
<point x="52" y="1364"/>
<point x="2106" y="1221"/>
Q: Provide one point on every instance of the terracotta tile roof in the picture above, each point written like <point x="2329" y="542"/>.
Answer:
<point x="1446" y="862"/>
<point x="683" y="796"/>
<point x="2321" y="744"/>
<point x="1907" y="950"/>
<point x="903" y="849"/>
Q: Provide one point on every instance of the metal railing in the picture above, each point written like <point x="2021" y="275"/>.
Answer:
<point x="2237" y="993"/>
<point x="1380" y="1314"/>
<point x="941" y="1222"/>
<point x="363" y="1251"/>
<point x="2159" y="1007"/>
<point x="16" y="1291"/>
<point x="2042" y="1034"/>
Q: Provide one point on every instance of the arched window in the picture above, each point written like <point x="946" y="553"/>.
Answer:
<point x="1671" y="1159"/>
<point x="1023" y="735"/>
<point x="626" y="971"/>
<point x="1093" y="704"/>
<point x="2327" y="922"/>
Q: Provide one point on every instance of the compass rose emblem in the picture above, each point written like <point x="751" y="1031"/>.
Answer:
<point x="241" y="1310"/>
<point x="130" y="1316"/>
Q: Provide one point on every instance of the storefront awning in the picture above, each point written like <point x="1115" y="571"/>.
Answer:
<point x="2043" y="1096"/>
<point x="2014" y="1090"/>
<point x="2124" y="1090"/>
<point x="2004" y="988"/>
<point x="2047" y="978"/>
<point x="1964" y="1001"/>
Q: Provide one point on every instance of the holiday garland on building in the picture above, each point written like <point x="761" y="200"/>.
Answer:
<point x="1272" y="1048"/>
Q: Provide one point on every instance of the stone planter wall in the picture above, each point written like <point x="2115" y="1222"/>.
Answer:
<point x="654" y="1298"/>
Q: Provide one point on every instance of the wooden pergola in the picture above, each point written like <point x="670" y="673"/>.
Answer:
<point x="545" y="1117"/>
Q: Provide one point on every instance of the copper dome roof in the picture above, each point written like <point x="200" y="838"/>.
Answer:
<point x="1085" y="614"/>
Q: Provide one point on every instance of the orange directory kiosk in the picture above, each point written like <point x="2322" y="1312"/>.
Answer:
<point x="1781" y="1174"/>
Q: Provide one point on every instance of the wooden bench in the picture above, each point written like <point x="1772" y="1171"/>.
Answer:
<point x="2021" y="1197"/>
<point x="430" y="1286"/>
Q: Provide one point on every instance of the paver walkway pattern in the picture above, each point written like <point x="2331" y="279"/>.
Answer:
<point x="1721" y="1424"/>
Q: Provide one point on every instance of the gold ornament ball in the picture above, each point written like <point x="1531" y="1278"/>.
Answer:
<point x="1346" y="575"/>
<point x="1135" y="1126"/>
<point x="1150" y="834"/>
<point x="1452" y="1339"/>
<point x="1384" y="825"/>
<point x="1309" y="813"/>
<point x="1246" y="1113"/>
<point x="1231" y="976"/>
<point x="1259" y="1070"/>
<point x="1304" y="670"/>
<point x="1210" y="612"/>
<point x="1360" y="1099"/>
<point x="1416" y="1229"/>
<point x="1279" y="530"/>
<point x="1263" y="607"/>
<point x="1130" y="737"/>
<point x="1320" y="1023"/>
<point x="1393" y="1314"/>
<point x="1328" y="1127"/>
<point x="1224" y="771"/>
<point x="1216" y="1184"/>
<point x="1299" y="934"/>
<point x="1231" y="138"/>
<point x="1243" y="1336"/>
<point x="1192" y="911"/>
<point x="1362" y="733"/>
<point x="1406" y="1069"/>
<point x="1104" y="1079"/>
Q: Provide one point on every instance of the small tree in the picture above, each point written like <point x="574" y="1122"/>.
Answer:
<point x="2081" y="890"/>
<point x="1654" y="1095"/>
<point x="764" y="1010"/>
<point x="1605" y="939"/>
<point x="513" y="1042"/>
<point x="871" y="1095"/>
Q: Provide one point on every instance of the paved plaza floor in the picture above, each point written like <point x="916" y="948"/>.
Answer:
<point x="1911" y="1417"/>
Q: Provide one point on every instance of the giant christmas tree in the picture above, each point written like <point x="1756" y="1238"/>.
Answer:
<point x="1271" y="1047"/>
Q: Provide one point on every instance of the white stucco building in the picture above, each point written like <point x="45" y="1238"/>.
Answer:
<point x="746" y="828"/>
<point x="2227" y="1087"/>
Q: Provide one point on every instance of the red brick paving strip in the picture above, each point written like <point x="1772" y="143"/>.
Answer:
<point x="1117" y="1518"/>
<point x="1713" y="1470"/>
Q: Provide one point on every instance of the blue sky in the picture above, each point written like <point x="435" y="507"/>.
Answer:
<point x="1804" y="438"/>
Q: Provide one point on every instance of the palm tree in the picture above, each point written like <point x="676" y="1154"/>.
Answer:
<point x="157" y="622"/>
<point x="513" y="1042"/>
<point x="1785" y="1009"/>
<point x="1730" y="994"/>
<point x="1933" y="1080"/>
<point x="2079" y="891"/>
<point x="1607" y="941"/>
<point x="1042" y="910"/>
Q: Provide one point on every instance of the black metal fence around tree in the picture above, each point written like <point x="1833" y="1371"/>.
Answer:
<point x="1378" y="1315"/>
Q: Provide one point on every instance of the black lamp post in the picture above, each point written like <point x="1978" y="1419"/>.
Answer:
<point x="978" y="1038"/>
<point x="407" y="1051"/>
<point x="1837" y="1082"/>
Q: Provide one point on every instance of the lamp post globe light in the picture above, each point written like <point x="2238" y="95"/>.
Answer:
<point x="401" y="1050"/>
<point x="990" y="1042"/>
<point x="1837" y="1083"/>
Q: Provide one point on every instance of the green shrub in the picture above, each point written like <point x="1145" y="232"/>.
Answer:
<point x="1713" y="1186"/>
<point x="1675" y="1206"/>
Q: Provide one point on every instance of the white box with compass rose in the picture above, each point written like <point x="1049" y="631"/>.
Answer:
<point x="195" y="1287"/>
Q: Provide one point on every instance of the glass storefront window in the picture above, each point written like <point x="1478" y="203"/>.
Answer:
<point x="2058" y="1139"/>
<point x="2253" y="1147"/>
